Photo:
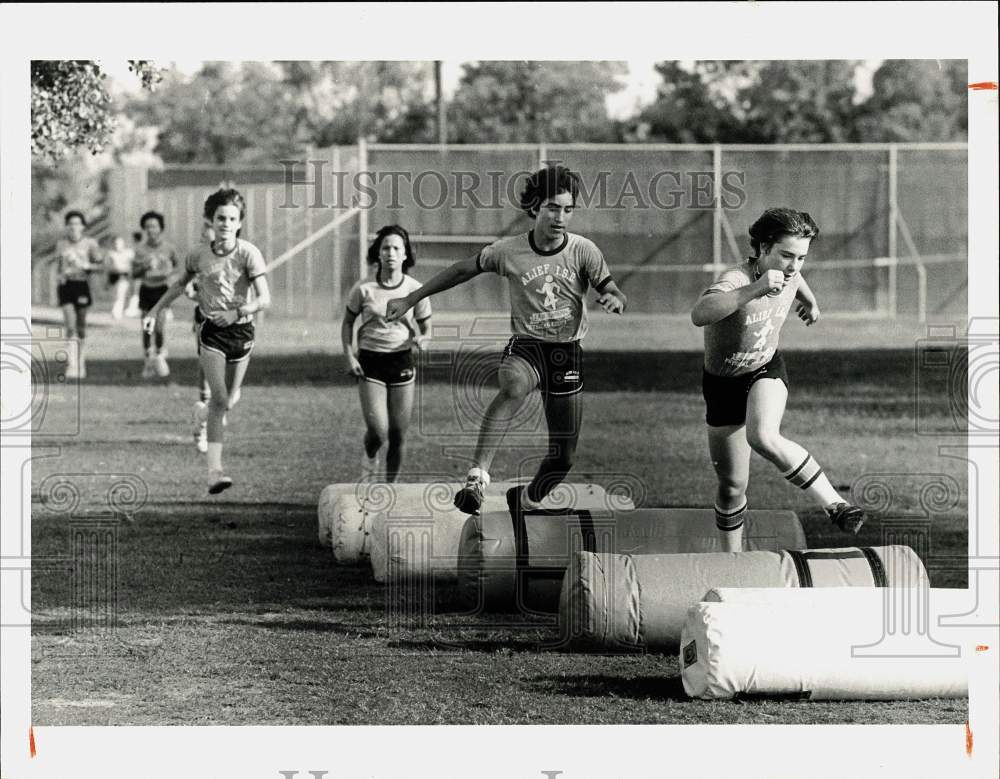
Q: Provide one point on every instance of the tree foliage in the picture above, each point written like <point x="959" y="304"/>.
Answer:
<point x="528" y="102"/>
<point x="812" y="101"/>
<point x="70" y="106"/>
<point x="916" y="100"/>
<point x="339" y="102"/>
<point x="226" y="113"/>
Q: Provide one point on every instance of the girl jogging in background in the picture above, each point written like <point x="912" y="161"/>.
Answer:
<point x="744" y="379"/>
<point x="155" y="263"/>
<point x="77" y="255"/>
<point x="549" y="271"/>
<point x="120" y="257"/>
<point x="225" y="270"/>
<point x="384" y="361"/>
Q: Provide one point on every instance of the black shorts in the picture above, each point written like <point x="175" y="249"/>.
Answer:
<point x="75" y="293"/>
<point x="149" y="296"/>
<point x="726" y="396"/>
<point x="234" y="342"/>
<point x="114" y="277"/>
<point x="390" y="369"/>
<point x="559" y="365"/>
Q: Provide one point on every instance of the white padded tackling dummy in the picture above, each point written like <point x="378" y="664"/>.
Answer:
<point x="492" y="576"/>
<point x="326" y="512"/>
<point x="626" y="602"/>
<point x="346" y="511"/>
<point x="798" y="643"/>
<point x="422" y="537"/>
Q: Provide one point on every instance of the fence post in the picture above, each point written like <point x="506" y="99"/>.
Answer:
<point x="337" y="205"/>
<point x="717" y="208"/>
<point x="307" y="296"/>
<point x="289" y="304"/>
<point x="893" y="221"/>
<point x="268" y="229"/>
<point x="543" y="153"/>
<point x="363" y="213"/>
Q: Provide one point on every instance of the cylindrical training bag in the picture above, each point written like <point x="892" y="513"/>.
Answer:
<point x="422" y="537"/>
<point x="327" y="512"/>
<point x="817" y="644"/>
<point x="625" y="602"/>
<point x="346" y="512"/>
<point x="517" y="563"/>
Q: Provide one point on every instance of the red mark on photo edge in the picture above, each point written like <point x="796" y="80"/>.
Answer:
<point x="983" y="85"/>
<point x="31" y="740"/>
<point x="981" y="647"/>
<point x="968" y="739"/>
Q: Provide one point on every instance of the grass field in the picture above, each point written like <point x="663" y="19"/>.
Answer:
<point x="226" y="611"/>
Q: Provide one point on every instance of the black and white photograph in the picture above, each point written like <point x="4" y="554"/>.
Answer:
<point x="500" y="391"/>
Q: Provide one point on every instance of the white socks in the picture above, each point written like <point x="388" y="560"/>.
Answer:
<point x="214" y="456"/>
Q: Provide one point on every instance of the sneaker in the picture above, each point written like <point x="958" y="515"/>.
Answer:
<point x="369" y="468"/>
<point x="217" y="482"/>
<point x="160" y="366"/>
<point x="846" y="517"/>
<point x="149" y="367"/>
<point x="469" y="499"/>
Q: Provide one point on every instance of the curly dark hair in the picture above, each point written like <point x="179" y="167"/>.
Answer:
<point x="547" y="183"/>
<point x="152" y="215"/>
<point x="777" y="223"/>
<point x="376" y="246"/>
<point x="224" y="197"/>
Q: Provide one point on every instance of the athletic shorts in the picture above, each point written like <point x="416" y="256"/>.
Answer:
<point x="390" y="369"/>
<point x="726" y="396"/>
<point x="559" y="366"/>
<point x="149" y="296"/>
<point x="114" y="277"/>
<point x="75" y="293"/>
<point x="234" y="342"/>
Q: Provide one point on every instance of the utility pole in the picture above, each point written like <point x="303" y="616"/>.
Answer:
<point x="442" y="119"/>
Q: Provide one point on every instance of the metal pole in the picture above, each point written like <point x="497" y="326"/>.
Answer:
<point x="893" y="222"/>
<point x="268" y="224"/>
<point x="363" y="213"/>
<point x="289" y="295"/>
<point x="442" y="117"/>
<point x="307" y="297"/>
<point x="336" y="237"/>
<point x="717" y="209"/>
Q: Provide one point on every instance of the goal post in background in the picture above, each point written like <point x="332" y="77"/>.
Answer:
<point x="668" y="217"/>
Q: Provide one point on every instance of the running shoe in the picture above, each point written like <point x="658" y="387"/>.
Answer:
<point x="217" y="482"/>
<point x="469" y="499"/>
<point x="846" y="517"/>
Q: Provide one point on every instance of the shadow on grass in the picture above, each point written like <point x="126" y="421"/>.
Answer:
<point x="832" y="372"/>
<point x="664" y="688"/>
<point x="307" y="626"/>
<point x="491" y="646"/>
